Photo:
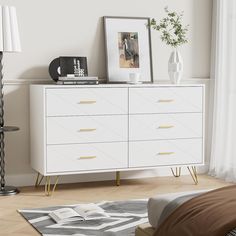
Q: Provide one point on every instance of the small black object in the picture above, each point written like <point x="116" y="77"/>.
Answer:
<point x="54" y="69"/>
<point x="63" y="66"/>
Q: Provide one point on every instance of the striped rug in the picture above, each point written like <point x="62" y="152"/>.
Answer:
<point x="124" y="217"/>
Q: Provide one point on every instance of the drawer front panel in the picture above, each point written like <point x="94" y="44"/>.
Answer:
<point x="165" y="126"/>
<point x="83" y="101"/>
<point x="165" y="153"/>
<point x="165" y="100"/>
<point x="82" y="129"/>
<point x="86" y="157"/>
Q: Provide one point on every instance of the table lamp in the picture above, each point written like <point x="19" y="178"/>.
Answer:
<point x="9" y="42"/>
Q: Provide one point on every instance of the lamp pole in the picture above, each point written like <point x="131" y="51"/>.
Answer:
<point x="4" y="190"/>
<point x="2" y="153"/>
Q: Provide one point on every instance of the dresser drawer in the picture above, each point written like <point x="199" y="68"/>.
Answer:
<point x="86" y="101"/>
<point x="165" y="100"/>
<point x="83" y="129"/>
<point x="165" y="126"/>
<point x="165" y="153"/>
<point x="86" y="157"/>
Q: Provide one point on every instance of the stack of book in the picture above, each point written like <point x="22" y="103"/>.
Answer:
<point x="85" y="80"/>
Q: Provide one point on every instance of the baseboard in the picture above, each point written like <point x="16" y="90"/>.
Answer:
<point x="29" y="179"/>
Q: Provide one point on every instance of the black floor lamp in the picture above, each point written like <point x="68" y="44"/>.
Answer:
<point x="9" y="42"/>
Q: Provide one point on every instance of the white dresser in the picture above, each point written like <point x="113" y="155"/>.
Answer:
<point x="112" y="127"/>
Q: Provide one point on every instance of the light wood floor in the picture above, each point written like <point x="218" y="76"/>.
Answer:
<point x="11" y="223"/>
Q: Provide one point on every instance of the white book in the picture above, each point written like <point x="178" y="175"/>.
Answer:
<point x="78" y="82"/>
<point x="79" y="213"/>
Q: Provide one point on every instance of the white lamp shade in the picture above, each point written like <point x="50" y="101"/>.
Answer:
<point x="9" y="33"/>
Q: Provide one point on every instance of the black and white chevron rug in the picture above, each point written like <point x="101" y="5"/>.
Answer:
<point x="125" y="216"/>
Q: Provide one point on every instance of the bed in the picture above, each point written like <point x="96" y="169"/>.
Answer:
<point x="161" y="208"/>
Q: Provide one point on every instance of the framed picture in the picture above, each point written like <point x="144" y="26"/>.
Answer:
<point x="128" y="48"/>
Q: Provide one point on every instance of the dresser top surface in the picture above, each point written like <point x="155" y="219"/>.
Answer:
<point x="144" y="85"/>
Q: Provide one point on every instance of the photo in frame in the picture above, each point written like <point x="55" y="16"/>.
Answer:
<point x="128" y="48"/>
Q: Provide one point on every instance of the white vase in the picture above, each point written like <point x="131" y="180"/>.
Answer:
<point x="175" y="66"/>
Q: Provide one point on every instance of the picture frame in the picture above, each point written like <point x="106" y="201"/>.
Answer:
<point x="128" y="48"/>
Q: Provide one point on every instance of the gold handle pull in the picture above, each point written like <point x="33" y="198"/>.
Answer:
<point x="87" y="102"/>
<point x="86" y="157"/>
<point x="166" y="126"/>
<point x="165" y="153"/>
<point x="87" y="130"/>
<point x="166" y="100"/>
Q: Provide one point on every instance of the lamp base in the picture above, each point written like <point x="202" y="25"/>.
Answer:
<point x="8" y="190"/>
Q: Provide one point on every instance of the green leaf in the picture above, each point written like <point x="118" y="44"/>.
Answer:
<point x="171" y="28"/>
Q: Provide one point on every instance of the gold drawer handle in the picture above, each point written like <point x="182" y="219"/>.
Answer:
<point x="87" y="102"/>
<point x="166" y="126"/>
<point x="87" y="157"/>
<point x="166" y="100"/>
<point x="87" y="130"/>
<point x="165" y="153"/>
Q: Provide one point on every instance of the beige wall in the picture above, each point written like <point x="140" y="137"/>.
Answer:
<point x="51" y="28"/>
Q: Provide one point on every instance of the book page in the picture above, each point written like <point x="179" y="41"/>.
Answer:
<point x="90" y="211"/>
<point x="64" y="215"/>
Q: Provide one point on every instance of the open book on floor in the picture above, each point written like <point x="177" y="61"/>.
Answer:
<point x="78" y="213"/>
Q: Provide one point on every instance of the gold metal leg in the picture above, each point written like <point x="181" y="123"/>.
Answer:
<point x="117" y="178"/>
<point x="46" y="185"/>
<point x="55" y="185"/>
<point x="38" y="180"/>
<point x="48" y="191"/>
<point x="193" y="173"/>
<point x="177" y="172"/>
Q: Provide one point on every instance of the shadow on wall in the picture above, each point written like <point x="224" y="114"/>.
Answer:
<point x="96" y="56"/>
<point x="39" y="72"/>
<point x="16" y="107"/>
<point x="202" y="42"/>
